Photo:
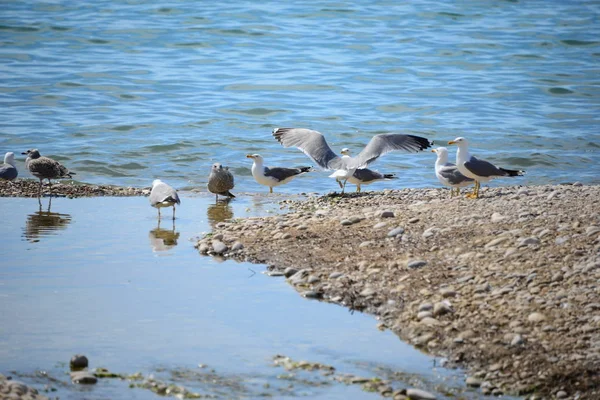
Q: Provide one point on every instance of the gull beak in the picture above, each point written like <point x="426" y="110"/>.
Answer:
<point x="433" y="150"/>
<point x="24" y="153"/>
<point x="249" y="156"/>
<point x="451" y="142"/>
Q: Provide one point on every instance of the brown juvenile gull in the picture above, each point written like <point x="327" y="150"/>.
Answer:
<point x="275" y="176"/>
<point x="313" y="144"/>
<point x="220" y="181"/>
<point x="8" y="170"/>
<point x="163" y="195"/>
<point x="45" y="168"/>
<point x="479" y="170"/>
<point x="364" y="176"/>
<point x="447" y="173"/>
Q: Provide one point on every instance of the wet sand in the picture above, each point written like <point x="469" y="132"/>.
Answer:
<point x="30" y="188"/>
<point x="505" y="286"/>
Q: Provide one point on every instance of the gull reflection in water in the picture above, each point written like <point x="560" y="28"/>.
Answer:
<point x="163" y="239"/>
<point x="44" y="223"/>
<point x="219" y="212"/>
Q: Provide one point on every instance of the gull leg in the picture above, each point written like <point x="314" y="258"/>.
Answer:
<point x="357" y="188"/>
<point x="173" y="212"/>
<point x="478" y="186"/>
<point x="158" y="208"/>
<point x="344" y="187"/>
<point x="40" y="189"/>
<point x="50" y="186"/>
<point x="339" y="183"/>
<point x="451" y="192"/>
<point x="270" y="189"/>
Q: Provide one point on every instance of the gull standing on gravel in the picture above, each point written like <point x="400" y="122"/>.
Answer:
<point x="313" y="144"/>
<point x="447" y="173"/>
<point x="8" y="170"/>
<point x="275" y="176"/>
<point x="363" y="176"/>
<point x="479" y="170"/>
<point x="163" y="195"/>
<point x="220" y="181"/>
<point x="45" y="168"/>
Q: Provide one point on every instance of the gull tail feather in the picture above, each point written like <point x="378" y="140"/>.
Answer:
<point x="512" y="172"/>
<point x="228" y="193"/>
<point x="389" y="176"/>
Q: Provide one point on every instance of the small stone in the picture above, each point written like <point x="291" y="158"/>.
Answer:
<point x="346" y="222"/>
<point x="473" y="382"/>
<point x="418" y="394"/>
<point x="413" y="220"/>
<point x="496" y="241"/>
<point x="441" y="308"/>
<point x="366" y="244"/>
<point x="219" y="247"/>
<point x="286" y="235"/>
<point x="530" y="241"/>
<point x="368" y="292"/>
<point x="592" y="230"/>
<point x="430" y="321"/>
<point x="313" y="279"/>
<point x="311" y="294"/>
<point x="79" y="361"/>
<point x="380" y="225"/>
<point x="237" y="246"/>
<point x="497" y="217"/>
<point x="447" y="292"/>
<point x="424" y="314"/>
<point x="536" y="317"/>
<point x="387" y="214"/>
<point x="517" y="340"/>
<point x="289" y="271"/>
<point x="416" y="264"/>
<point x="335" y="275"/>
<point x="83" y="377"/>
<point x="561" y="394"/>
<point x="426" y="307"/>
<point x="203" y="248"/>
<point x="218" y="236"/>
<point x="395" y="232"/>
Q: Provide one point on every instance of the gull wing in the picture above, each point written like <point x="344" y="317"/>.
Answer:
<point x="384" y="143"/>
<point x="312" y="143"/>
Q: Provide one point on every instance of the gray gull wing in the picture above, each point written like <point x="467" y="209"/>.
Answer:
<point x="483" y="168"/>
<point x="451" y="173"/>
<point x="282" y="174"/>
<point x="384" y="143"/>
<point x="163" y="193"/>
<point x="312" y="143"/>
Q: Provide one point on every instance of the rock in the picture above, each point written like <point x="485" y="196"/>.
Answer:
<point x="395" y="232"/>
<point x="346" y="222"/>
<point x="530" y="241"/>
<point x="366" y="244"/>
<point x="430" y="321"/>
<point x="83" y="377"/>
<point x="447" y="292"/>
<point x="561" y="394"/>
<point x="496" y="242"/>
<point x="497" y="217"/>
<point x="441" y="308"/>
<point x="312" y="279"/>
<point x="424" y="314"/>
<point x="473" y="382"/>
<point x="380" y="225"/>
<point x="536" y="317"/>
<point x="78" y="361"/>
<point x="426" y="307"/>
<point x="237" y="246"/>
<point x="387" y="214"/>
<point x="219" y="247"/>
<point x="418" y="394"/>
<point x="517" y="340"/>
<point x="203" y="248"/>
<point x="416" y="264"/>
<point x="311" y="294"/>
<point x="413" y="220"/>
<point x="592" y="230"/>
<point x="218" y="236"/>
<point x="289" y="271"/>
<point x="335" y="275"/>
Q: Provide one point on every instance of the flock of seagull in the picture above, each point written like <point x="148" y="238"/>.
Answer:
<point x="467" y="170"/>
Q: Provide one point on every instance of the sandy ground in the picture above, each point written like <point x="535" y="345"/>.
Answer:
<point x="505" y="286"/>
<point x="64" y="188"/>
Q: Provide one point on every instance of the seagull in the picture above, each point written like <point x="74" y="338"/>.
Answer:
<point x="163" y="195"/>
<point x="479" y="170"/>
<point x="313" y="144"/>
<point x="276" y="176"/>
<point x="363" y="176"/>
<point x="447" y="173"/>
<point x="45" y="168"/>
<point x="8" y="170"/>
<point x="220" y="181"/>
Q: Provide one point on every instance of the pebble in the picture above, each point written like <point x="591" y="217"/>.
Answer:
<point x="219" y="247"/>
<point x="561" y="394"/>
<point x="289" y="271"/>
<point x="336" y="275"/>
<point x="497" y="217"/>
<point x="517" y="340"/>
<point x="387" y="214"/>
<point x="424" y="314"/>
<point x="418" y="394"/>
<point x="237" y="246"/>
<point x="83" y="377"/>
<point x="416" y="264"/>
<point x="311" y="294"/>
<point x="413" y="220"/>
<point x="366" y="244"/>
<point x="496" y="241"/>
<point x="426" y="307"/>
<point x="447" y="292"/>
<point x="430" y="321"/>
<point x="441" y="308"/>
<point x="313" y="279"/>
<point x="473" y="382"/>
<point x="395" y="232"/>
<point x="536" y="317"/>
<point x="78" y="361"/>
<point x="380" y="225"/>
<point x="530" y="241"/>
<point x="346" y="222"/>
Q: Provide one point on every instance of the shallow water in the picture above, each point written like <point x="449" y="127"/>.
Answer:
<point x="97" y="276"/>
<point x="124" y="92"/>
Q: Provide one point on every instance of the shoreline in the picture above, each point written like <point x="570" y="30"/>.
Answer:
<point x="30" y="188"/>
<point x="505" y="286"/>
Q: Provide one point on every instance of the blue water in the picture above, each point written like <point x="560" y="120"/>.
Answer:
<point x="126" y="91"/>
<point x="98" y="276"/>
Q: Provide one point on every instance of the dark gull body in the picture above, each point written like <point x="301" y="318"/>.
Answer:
<point x="274" y="176"/>
<point x="314" y="145"/>
<point x="479" y="170"/>
<point x="8" y="170"/>
<point x="163" y="195"/>
<point x="367" y="176"/>
<point x="447" y="173"/>
<point x="220" y="181"/>
<point x="45" y="168"/>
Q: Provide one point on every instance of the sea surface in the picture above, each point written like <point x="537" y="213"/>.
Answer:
<point x="124" y="92"/>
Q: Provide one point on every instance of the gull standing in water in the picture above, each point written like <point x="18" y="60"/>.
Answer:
<point x="479" y="170"/>
<point x="8" y="170"/>
<point x="163" y="195"/>
<point x="313" y="144"/>
<point x="363" y="176"/>
<point x="447" y="173"/>
<point x="275" y="176"/>
<point x="220" y="181"/>
<point x="45" y="168"/>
